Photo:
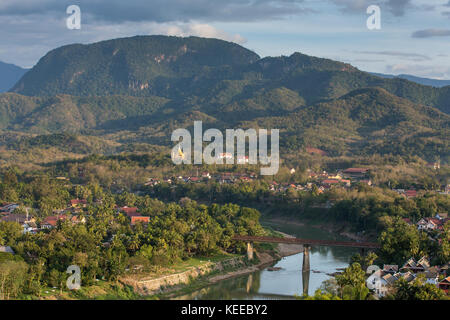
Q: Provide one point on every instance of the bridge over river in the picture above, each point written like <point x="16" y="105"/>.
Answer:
<point x="310" y="242"/>
<point x="307" y="244"/>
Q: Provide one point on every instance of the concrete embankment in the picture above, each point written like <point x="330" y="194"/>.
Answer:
<point x="215" y="270"/>
<point x="159" y="284"/>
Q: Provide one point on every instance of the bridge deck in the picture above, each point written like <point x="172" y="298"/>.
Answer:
<point x="311" y="242"/>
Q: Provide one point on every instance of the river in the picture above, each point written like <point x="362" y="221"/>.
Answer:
<point x="289" y="280"/>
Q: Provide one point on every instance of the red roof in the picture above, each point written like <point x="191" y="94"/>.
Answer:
<point x="142" y="219"/>
<point x="53" y="220"/>
<point x="436" y="221"/>
<point x="130" y="211"/>
<point x="78" y="201"/>
<point x="411" y="193"/>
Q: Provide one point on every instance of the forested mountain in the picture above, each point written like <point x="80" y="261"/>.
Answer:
<point x="9" y="75"/>
<point x="138" y="66"/>
<point x="177" y="68"/>
<point x="364" y="122"/>
<point x="138" y="90"/>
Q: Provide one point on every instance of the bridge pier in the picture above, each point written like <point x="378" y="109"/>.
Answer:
<point x="250" y="251"/>
<point x="306" y="264"/>
<point x="305" y="281"/>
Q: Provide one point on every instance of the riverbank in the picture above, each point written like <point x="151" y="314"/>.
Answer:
<point x="185" y="278"/>
<point x="217" y="273"/>
<point x="264" y="258"/>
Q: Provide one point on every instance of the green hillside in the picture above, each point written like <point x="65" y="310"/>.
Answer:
<point x="174" y="68"/>
<point x="366" y="122"/>
<point x="138" y="66"/>
<point x="135" y="91"/>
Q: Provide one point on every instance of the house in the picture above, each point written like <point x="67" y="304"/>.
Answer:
<point x="76" y="203"/>
<point x="442" y="215"/>
<point x="410" y="193"/>
<point x="226" y="177"/>
<point x="408" y="276"/>
<point x="445" y="284"/>
<point x="129" y="211"/>
<point x="416" y="266"/>
<point x="141" y="219"/>
<point x="6" y="249"/>
<point x="389" y="278"/>
<point x="379" y="283"/>
<point x="329" y="182"/>
<point x="51" y="221"/>
<point x="424" y="263"/>
<point x="366" y="181"/>
<point x="410" y="265"/>
<point x="390" y="268"/>
<point x="428" y="224"/>
<point x="356" y="173"/>
<point x="30" y="227"/>
<point x="432" y="276"/>
<point x="9" y="208"/>
<point x="335" y="176"/>
<point x="19" y="218"/>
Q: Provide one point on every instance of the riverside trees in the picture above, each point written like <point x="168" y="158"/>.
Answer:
<point x="106" y="245"/>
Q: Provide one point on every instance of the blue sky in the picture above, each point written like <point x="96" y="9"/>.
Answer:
<point x="414" y="38"/>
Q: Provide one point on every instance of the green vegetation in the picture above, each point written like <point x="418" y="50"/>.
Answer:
<point x="129" y="94"/>
<point x="106" y="245"/>
<point x="94" y="122"/>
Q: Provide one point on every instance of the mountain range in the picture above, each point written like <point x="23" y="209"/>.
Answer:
<point x="136" y="91"/>
<point x="425" y="81"/>
<point x="9" y="75"/>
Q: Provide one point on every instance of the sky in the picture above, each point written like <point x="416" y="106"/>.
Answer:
<point x="414" y="37"/>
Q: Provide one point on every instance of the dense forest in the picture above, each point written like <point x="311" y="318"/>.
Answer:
<point x="106" y="245"/>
